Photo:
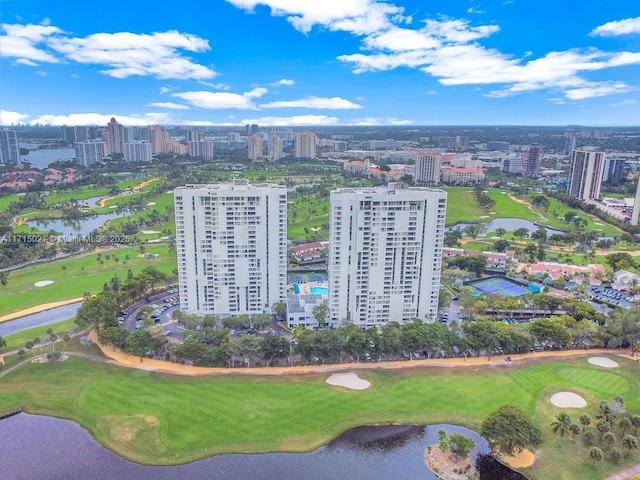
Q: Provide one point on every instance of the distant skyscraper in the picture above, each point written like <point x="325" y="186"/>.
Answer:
<point x="137" y="152"/>
<point x="202" y="148"/>
<point x="194" y="136"/>
<point x="304" y="145"/>
<point x="274" y="148"/>
<point x="428" y="166"/>
<point x="385" y="254"/>
<point x="531" y="161"/>
<point x="68" y="134"/>
<point x="585" y="175"/>
<point x="613" y="170"/>
<point x="251" y="129"/>
<point x="339" y="146"/>
<point x="569" y="144"/>
<point x="159" y="138"/>
<point x="115" y="137"/>
<point x="9" y="147"/>
<point x="231" y="242"/>
<point x="90" y="153"/>
<point x="254" y="147"/>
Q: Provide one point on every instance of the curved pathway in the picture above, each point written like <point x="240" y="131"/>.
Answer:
<point x="627" y="474"/>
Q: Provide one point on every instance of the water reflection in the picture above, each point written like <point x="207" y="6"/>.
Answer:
<point x="510" y="224"/>
<point x="36" y="447"/>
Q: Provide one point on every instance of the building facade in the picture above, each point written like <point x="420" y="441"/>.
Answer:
<point x="90" y="153"/>
<point x="304" y="145"/>
<point x="115" y="137"/>
<point x="428" y="165"/>
<point x="201" y="148"/>
<point x="385" y="254"/>
<point x="254" y="147"/>
<point x="137" y="152"/>
<point x="9" y="147"/>
<point x="531" y="160"/>
<point x="274" y="148"/>
<point x="585" y="175"/>
<point x="231" y="242"/>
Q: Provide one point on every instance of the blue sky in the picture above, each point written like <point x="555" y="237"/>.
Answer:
<point x="329" y="62"/>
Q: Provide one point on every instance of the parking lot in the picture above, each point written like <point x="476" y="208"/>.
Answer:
<point x="161" y="314"/>
<point x="610" y="296"/>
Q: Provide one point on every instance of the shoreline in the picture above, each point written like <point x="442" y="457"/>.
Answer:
<point x="38" y="309"/>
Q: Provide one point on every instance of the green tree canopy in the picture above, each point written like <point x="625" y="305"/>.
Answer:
<point x="509" y="430"/>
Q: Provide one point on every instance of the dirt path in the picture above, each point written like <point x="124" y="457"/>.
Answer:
<point x="38" y="309"/>
<point x="138" y="187"/>
<point x="126" y="360"/>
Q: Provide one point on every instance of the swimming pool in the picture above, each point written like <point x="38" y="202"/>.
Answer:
<point x="319" y="291"/>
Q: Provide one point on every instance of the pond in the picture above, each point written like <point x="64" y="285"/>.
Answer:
<point x="42" y="158"/>
<point x="73" y="228"/>
<point x="510" y="224"/>
<point x="38" y="447"/>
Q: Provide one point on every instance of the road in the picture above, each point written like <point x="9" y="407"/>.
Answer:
<point x="47" y="317"/>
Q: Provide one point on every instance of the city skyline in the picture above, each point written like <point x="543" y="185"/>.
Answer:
<point x="354" y="62"/>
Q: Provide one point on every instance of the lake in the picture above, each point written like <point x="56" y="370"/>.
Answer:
<point x="42" y="158"/>
<point x="73" y="228"/>
<point x="37" y="447"/>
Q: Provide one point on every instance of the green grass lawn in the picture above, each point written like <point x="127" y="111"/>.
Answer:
<point x="17" y="340"/>
<point x="82" y="274"/>
<point x="163" y="419"/>
<point x="462" y="205"/>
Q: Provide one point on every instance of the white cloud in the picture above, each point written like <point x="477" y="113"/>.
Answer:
<point x="170" y="105"/>
<point x="284" y="82"/>
<point x="11" y="118"/>
<point x="20" y="42"/>
<point x="356" y="16"/>
<point x="216" y="86"/>
<point x="222" y="100"/>
<point x="618" y="27"/>
<point x="450" y="49"/>
<point x="296" y="120"/>
<point x="624" y="103"/>
<point x="127" y="54"/>
<point x="164" y="90"/>
<point x="124" y="54"/>
<point x="27" y="62"/>
<point x="596" y="89"/>
<point x="333" y="103"/>
<point x="374" y="121"/>
<point x="151" y="118"/>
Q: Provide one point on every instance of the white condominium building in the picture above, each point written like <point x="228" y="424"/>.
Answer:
<point x="231" y="241"/>
<point x="304" y="145"/>
<point x="90" y="153"/>
<point x="428" y="165"/>
<point x="585" y="176"/>
<point x="385" y="254"/>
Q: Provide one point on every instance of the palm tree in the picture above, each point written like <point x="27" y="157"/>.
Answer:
<point x="585" y="421"/>
<point x="609" y="439"/>
<point x="562" y="424"/>
<point x="624" y="424"/>
<point x="596" y="454"/>
<point x="606" y="413"/>
<point x="602" y="427"/>
<point x="575" y="431"/>
<point x="630" y="443"/>
<point x="635" y="422"/>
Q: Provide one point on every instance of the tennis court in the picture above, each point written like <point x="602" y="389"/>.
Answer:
<point x="500" y="286"/>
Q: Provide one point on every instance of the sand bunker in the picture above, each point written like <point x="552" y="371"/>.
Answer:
<point x="43" y="283"/>
<point x="149" y="232"/>
<point x="151" y="204"/>
<point x="348" y="380"/>
<point x="568" y="400"/>
<point x="523" y="459"/>
<point x="603" y="362"/>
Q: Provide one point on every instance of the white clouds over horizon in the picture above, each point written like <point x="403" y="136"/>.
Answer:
<point x="626" y="26"/>
<point x="222" y="100"/>
<point x="333" y="103"/>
